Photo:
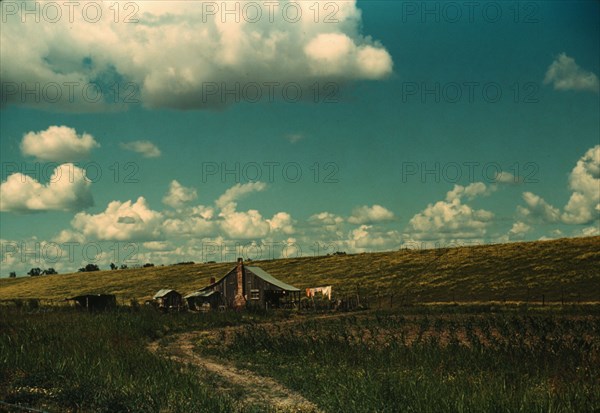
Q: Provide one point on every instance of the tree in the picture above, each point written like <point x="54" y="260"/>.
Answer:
<point x="113" y="266"/>
<point x="89" y="268"/>
<point x="123" y="266"/>
<point x="13" y="274"/>
<point x="148" y="265"/>
<point x="49" y="271"/>
<point x="34" y="272"/>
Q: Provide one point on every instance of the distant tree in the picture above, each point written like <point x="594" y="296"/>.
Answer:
<point x="34" y="272"/>
<point x="123" y="266"/>
<point x="113" y="266"/>
<point x="148" y="264"/>
<point x="49" y="271"/>
<point x="13" y="274"/>
<point x="89" y="268"/>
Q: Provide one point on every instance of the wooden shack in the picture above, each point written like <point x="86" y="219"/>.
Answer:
<point x="168" y="299"/>
<point x="200" y="300"/>
<point x="249" y="285"/>
<point x="95" y="302"/>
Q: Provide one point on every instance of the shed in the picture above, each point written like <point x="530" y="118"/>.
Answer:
<point x="168" y="299"/>
<point x="251" y="285"/>
<point x="198" y="299"/>
<point x="95" y="302"/>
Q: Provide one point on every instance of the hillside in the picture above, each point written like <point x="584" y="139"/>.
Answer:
<point x="559" y="269"/>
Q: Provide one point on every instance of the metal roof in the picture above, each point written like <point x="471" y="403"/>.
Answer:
<point x="200" y="294"/>
<point x="259" y="272"/>
<point x="163" y="292"/>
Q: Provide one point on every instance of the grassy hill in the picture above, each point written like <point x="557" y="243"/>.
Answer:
<point x="559" y="269"/>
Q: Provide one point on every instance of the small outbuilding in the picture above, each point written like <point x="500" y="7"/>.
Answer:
<point x="95" y="302"/>
<point x="201" y="300"/>
<point x="168" y="299"/>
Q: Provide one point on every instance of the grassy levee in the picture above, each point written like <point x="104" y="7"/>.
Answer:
<point x="564" y="269"/>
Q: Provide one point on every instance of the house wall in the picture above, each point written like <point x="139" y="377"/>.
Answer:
<point x="227" y="286"/>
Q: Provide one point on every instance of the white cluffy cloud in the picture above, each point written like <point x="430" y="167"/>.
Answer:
<point x="367" y="215"/>
<point x="121" y="221"/>
<point x="58" y="144"/>
<point x="565" y="74"/>
<point x="452" y="219"/>
<point x="179" y="195"/>
<point x="67" y="190"/>
<point x="190" y="53"/>
<point x="583" y="206"/>
<point x="145" y="148"/>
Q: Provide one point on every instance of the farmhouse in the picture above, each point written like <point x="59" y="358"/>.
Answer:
<point x="95" y="301"/>
<point x="244" y="285"/>
<point x="168" y="299"/>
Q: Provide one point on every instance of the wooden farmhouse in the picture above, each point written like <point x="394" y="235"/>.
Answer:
<point x="247" y="285"/>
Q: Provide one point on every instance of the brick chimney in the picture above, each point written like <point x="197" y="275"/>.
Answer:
<point x="239" y="300"/>
<point x="212" y="280"/>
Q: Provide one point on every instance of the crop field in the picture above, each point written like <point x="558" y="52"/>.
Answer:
<point x="423" y="358"/>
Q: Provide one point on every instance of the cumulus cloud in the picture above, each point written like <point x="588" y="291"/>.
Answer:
<point x="452" y="218"/>
<point x="470" y="191"/>
<point x="195" y="222"/>
<point x="244" y="225"/>
<point x="367" y="215"/>
<point x="121" y="221"/>
<point x="565" y="74"/>
<point x="368" y="238"/>
<point x="583" y="206"/>
<point x="145" y="148"/>
<point x="58" y="144"/>
<point x="519" y="229"/>
<point x="67" y="190"/>
<point x="238" y="191"/>
<point x="179" y="195"/>
<point x="507" y="178"/>
<point x="282" y="222"/>
<point x="538" y="209"/>
<point x="190" y="53"/>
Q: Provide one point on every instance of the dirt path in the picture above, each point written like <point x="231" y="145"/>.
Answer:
<point x="256" y="389"/>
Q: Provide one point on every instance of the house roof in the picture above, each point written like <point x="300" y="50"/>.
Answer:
<point x="259" y="272"/>
<point x="200" y="294"/>
<point x="163" y="292"/>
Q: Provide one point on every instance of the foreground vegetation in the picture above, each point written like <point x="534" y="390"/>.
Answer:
<point x="564" y="270"/>
<point x="424" y="358"/>
<point x="430" y="362"/>
<point x="72" y="361"/>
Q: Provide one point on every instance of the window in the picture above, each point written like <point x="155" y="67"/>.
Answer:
<point x="255" y="294"/>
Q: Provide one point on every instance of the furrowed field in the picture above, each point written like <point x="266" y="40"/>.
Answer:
<point x="434" y="358"/>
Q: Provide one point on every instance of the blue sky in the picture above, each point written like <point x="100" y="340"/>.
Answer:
<point x="428" y="129"/>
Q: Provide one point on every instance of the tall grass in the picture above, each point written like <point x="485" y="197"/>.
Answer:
<point x="76" y="361"/>
<point x="430" y="363"/>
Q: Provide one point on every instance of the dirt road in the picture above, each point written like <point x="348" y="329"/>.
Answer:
<point x="257" y="390"/>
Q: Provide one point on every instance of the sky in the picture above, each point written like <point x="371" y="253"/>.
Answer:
<point x="168" y="131"/>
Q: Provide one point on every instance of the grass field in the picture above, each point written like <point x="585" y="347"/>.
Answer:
<point x="438" y="350"/>
<point x="425" y="359"/>
<point x="560" y="270"/>
<point x="477" y="362"/>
